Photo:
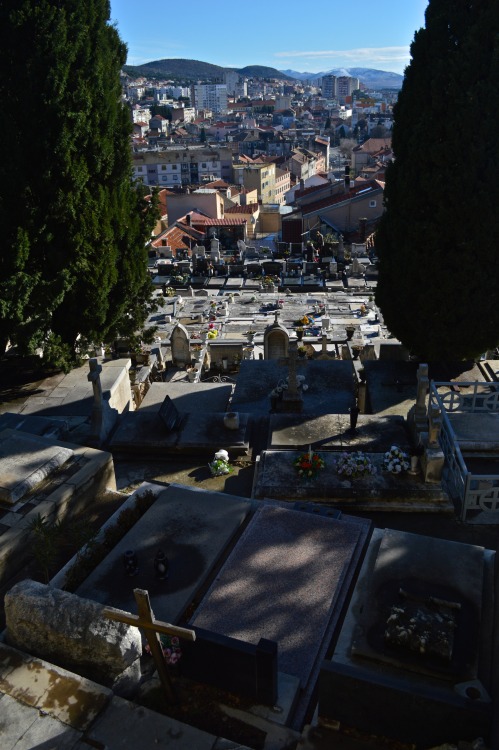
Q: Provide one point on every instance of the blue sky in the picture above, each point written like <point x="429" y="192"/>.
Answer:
<point x="303" y="36"/>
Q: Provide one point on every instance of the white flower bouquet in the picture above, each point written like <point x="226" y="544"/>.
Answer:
<point x="396" y="461"/>
<point x="355" y="465"/>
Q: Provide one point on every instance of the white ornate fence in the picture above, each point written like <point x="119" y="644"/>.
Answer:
<point x="476" y="492"/>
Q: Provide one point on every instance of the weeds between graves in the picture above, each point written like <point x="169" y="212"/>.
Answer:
<point x="95" y="551"/>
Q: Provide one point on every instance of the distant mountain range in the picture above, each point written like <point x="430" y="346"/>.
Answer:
<point x="370" y="77"/>
<point x="195" y="70"/>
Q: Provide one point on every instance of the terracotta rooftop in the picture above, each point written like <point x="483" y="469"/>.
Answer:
<point x="331" y="200"/>
<point x="251" y="208"/>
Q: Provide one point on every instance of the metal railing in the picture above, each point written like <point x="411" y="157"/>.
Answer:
<point x="476" y="492"/>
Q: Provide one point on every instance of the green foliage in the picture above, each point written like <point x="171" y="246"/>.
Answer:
<point x="72" y="258"/>
<point x="90" y="556"/>
<point x="436" y="240"/>
<point x="50" y="539"/>
<point x="194" y="70"/>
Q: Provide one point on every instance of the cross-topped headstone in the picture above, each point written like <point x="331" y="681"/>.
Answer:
<point x="292" y="400"/>
<point x="152" y="627"/>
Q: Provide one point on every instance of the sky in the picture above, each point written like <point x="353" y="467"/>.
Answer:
<point x="303" y="36"/>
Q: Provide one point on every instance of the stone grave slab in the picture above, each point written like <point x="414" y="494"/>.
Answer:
<point x="207" y="433"/>
<point x="277" y="478"/>
<point x="412" y="695"/>
<point x="407" y="564"/>
<point x="283" y="581"/>
<point x="187" y="397"/>
<point x="476" y="432"/>
<point x="234" y="283"/>
<point x="329" y="385"/>
<point x="193" y="527"/>
<point x="252" y="284"/>
<point x="26" y="460"/>
<point x="373" y="434"/>
<point x="216" y="282"/>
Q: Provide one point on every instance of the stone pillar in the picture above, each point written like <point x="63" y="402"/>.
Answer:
<point x="97" y="406"/>
<point x="433" y="459"/>
<point x="417" y="419"/>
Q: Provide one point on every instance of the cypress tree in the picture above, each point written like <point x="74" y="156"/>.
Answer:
<point x="436" y="242"/>
<point x="73" y="259"/>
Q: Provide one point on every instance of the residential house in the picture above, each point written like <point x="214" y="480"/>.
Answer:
<point x="177" y="165"/>
<point x="259" y="177"/>
<point x="367" y="153"/>
<point x="341" y="211"/>
<point x="282" y="185"/>
<point x="250" y="213"/>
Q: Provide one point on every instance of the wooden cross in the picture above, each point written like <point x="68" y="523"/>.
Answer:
<point x="146" y="620"/>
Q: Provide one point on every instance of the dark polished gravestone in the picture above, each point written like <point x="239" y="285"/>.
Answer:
<point x="287" y="580"/>
<point x="416" y="650"/>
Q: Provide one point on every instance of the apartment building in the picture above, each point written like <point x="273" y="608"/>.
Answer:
<point x="178" y="166"/>
<point x="329" y="87"/>
<point x="209" y="96"/>
<point x="259" y="177"/>
<point x="346" y="85"/>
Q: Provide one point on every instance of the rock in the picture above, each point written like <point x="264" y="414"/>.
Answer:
<point x="72" y="632"/>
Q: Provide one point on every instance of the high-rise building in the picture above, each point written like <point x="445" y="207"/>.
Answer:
<point x="209" y="96"/>
<point x="329" y="86"/>
<point x="346" y="86"/>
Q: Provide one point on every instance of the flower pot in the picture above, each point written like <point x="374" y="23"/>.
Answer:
<point x="231" y="420"/>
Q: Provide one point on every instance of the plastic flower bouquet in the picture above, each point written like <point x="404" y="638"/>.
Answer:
<point x="170" y="646"/>
<point x="355" y="466"/>
<point x="396" y="460"/>
<point x="308" y="464"/>
<point x="220" y="464"/>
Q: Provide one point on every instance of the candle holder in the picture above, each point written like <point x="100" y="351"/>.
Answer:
<point x="161" y="565"/>
<point x="131" y="563"/>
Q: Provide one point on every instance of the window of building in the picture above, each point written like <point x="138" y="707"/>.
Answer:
<point x="163" y="167"/>
<point x="372" y="204"/>
<point x="174" y="166"/>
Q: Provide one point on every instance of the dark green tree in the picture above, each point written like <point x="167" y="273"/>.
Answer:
<point x="439" y="266"/>
<point x="73" y="227"/>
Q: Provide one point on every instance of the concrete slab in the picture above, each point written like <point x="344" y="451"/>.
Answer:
<point x="67" y="697"/>
<point x="408" y="561"/>
<point x="125" y="725"/>
<point x="24" y="728"/>
<point x="193" y="527"/>
<point x="476" y="432"/>
<point x="188" y="397"/>
<point x="281" y="582"/>
<point x="276" y="478"/>
<point x="397" y="701"/>
<point x="25" y="460"/>
<point x="329" y="385"/>
<point x="373" y="434"/>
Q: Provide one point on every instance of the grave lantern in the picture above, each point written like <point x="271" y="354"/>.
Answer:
<point x="130" y="562"/>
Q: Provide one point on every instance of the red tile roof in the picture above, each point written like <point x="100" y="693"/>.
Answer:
<point x="331" y="200"/>
<point x="251" y="208"/>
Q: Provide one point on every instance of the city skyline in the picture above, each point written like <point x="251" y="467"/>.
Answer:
<point x="279" y="35"/>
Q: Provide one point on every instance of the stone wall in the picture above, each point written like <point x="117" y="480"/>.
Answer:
<point x="72" y="632"/>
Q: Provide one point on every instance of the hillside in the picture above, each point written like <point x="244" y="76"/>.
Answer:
<point x="195" y="70"/>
